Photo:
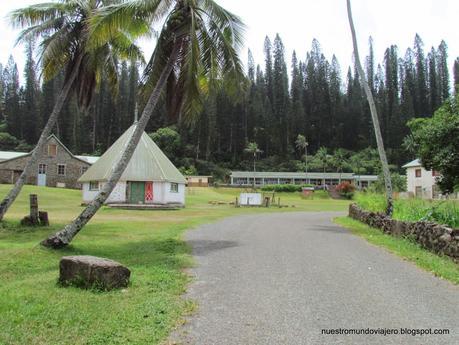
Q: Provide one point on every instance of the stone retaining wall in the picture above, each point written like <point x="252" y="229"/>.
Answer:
<point x="437" y="238"/>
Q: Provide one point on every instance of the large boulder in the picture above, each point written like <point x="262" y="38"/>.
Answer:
<point x="92" y="272"/>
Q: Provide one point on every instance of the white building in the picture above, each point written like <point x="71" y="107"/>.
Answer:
<point x="245" y="178"/>
<point x="421" y="182"/>
<point x="149" y="178"/>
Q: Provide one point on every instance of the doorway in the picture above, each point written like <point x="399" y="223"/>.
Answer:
<point x="41" y="177"/>
<point x="137" y="192"/>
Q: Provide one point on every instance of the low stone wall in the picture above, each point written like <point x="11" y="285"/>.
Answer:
<point x="437" y="238"/>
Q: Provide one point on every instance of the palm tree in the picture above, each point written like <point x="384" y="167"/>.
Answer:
<point x="65" y="46"/>
<point x="339" y="161"/>
<point x="356" y="162"/>
<point x="374" y="116"/>
<point x="302" y="144"/>
<point x="253" y="149"/>
<point x="324" y="158"/>
<point x="199" y="39"/>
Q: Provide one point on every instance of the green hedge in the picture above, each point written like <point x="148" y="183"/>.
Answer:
<point x="285" y="188"/>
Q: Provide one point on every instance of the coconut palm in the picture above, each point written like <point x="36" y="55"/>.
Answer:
<point x="374" y="116"/>
<point x="62" y="28"/>
<point x="199" y="39"/>
<point x="253" y="149"/>
<point x="323" y="156"/>
<point x="302" y="144"/>
<point x="339" y="161"/>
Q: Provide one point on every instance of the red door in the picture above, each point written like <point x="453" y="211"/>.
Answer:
<point x="148" y="191"/>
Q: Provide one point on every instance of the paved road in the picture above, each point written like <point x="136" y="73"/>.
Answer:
<point x="282" y="278"/>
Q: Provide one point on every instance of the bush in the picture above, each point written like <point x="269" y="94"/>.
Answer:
<point x="285" y="188"/>
<point x="7" y="141"/>
<point x="398" y="184"/>
<point x="439" y="211"/>
<point x="346" y="189"/>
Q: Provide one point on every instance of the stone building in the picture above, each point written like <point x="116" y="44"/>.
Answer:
<point x="56" y="166"/>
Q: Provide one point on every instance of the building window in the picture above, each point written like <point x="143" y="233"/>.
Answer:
<point x="61" y="169"/>
<point x="435" y="173"/>
<point x="417" y="172"/>
<point x="174" y="187"/>
<point x="52" y="150"/>
<point x="94" y="185"/>
<point x="83" y="170"/>
<point x="418" y="192"/>
<point x="42" y="168"/>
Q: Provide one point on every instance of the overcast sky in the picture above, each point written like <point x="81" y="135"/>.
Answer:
<point x="299" y="21"/>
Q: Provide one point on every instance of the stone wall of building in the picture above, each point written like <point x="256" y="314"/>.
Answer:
<point x="437" y="238"/>
<point x="11" y="169"/>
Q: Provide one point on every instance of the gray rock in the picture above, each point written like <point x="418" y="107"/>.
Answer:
<point x="92" y="272"/>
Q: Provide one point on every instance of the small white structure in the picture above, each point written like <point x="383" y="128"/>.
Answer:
<point x="250" y="199"/>
<point x="421" y="182"/>
<point x="149" y="178"/>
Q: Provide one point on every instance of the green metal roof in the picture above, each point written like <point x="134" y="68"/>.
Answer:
<point x="148" y="163"/>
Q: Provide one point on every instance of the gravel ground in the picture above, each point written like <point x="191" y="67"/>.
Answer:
<point x="283" y="278"/>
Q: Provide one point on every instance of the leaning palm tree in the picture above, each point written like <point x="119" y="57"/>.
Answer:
<point x="63" y="29"/>
<point x="374" y="116"/>
<point x="302" y="144"/>
<point x="199" y="39"/>
<point x="253" y="149"/>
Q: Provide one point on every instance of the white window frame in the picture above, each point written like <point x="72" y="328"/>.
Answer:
<point x="40" y="170"/>
<point x="92" y="188"/>
<point x="174" y="187"/>
<point x="65" y="169"/>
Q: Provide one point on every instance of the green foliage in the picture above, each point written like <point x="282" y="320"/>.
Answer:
<point x="398" y="183"/>
<point x="285" y="188"/>
<point x="437" y="145"/>
<point x="188" y="171"/>
<point x="168" y="140"/>
<point x="7" y="141"/>
<point x="440" y="211"/>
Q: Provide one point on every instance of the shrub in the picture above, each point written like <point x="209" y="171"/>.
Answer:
<point x="439" y="211"/>
<point x="346" y="189"/>
<point x="285" y="188"/>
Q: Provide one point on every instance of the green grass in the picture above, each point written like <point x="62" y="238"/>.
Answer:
<point x="440" y="211"/>
<point x="440" y="266"/>
<point x="35" y="310"/>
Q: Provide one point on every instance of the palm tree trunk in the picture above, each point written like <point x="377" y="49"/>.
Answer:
<point x="65" y="236"/>
<point x="38" y="150"/>
<point x="374" y="117"/>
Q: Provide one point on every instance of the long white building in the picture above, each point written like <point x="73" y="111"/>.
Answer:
<point x="245" y="178"/>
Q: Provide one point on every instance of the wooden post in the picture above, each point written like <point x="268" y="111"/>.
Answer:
<point x="278" y="202"/>
<point x="236" y="204"/>
<point x="33" y="208"/>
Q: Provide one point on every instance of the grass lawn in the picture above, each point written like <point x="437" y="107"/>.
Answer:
<point x="441" y="266"/>
<point x="34" y="310"/>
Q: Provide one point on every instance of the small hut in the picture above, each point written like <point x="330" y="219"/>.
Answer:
<point x="149" y="179"/>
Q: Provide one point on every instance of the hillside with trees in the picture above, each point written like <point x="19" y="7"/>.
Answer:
<point x="311" y="96"/>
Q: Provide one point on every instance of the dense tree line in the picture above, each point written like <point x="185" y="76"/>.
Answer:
<point x="306" y="96"/>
